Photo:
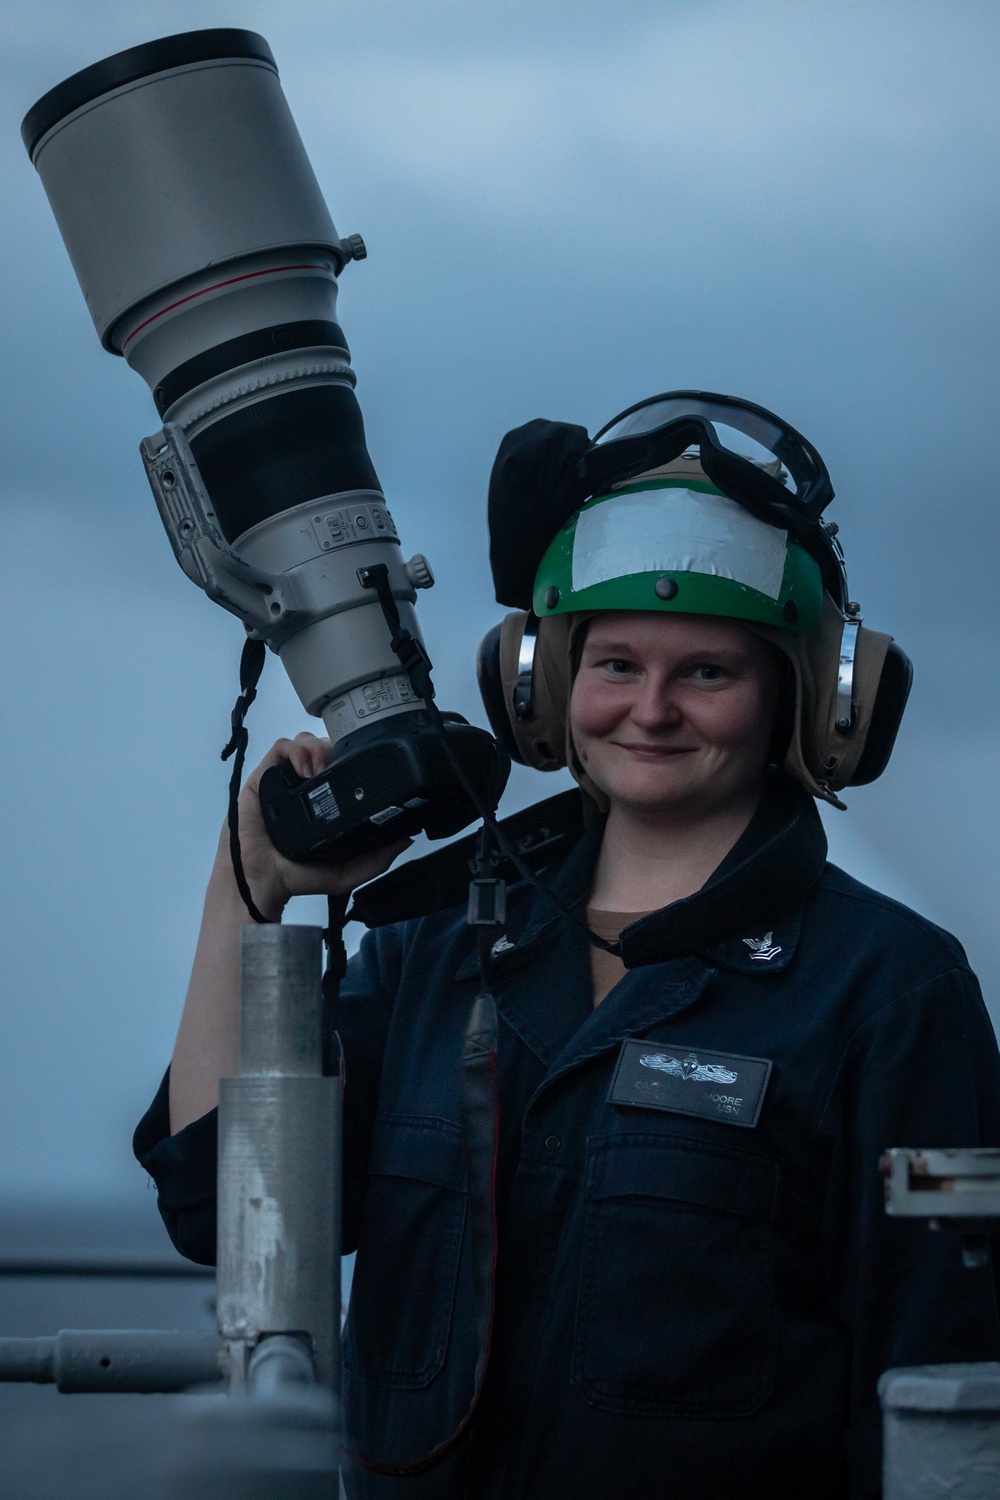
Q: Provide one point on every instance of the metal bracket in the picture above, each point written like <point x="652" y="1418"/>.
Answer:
<point x="523" y="697"/>
<point x="845" y="669"/>
<point x="957" y="1189"/>
<point x="265" y="602"/>
<point x="487" y="902"/>
<point x="953" y="1184"/>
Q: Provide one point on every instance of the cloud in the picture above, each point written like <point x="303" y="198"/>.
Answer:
<point x="567" y="208"/>
<point x="776" y="109"/>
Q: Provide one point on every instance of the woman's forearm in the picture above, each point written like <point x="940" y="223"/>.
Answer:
<point x="208" y="1038"/>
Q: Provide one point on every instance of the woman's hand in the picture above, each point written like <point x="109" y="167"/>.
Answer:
<point x="207" y="1046"/>
<point x="273" y="879"/>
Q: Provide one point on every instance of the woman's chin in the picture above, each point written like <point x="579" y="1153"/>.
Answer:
<point x="652" y="793"/>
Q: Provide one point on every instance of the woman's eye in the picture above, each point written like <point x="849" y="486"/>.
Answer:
<point x="707" y="672"/>
<point x="618" y="667"/>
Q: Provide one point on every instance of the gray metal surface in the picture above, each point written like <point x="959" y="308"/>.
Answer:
<point x="279" y="1148"/>
<point x="942" y="1432"/>
<point x="942" y="1184"/>
<point x="223" y="394"/>
<point x="88" y="1447"/>
<point x="281" y="1002"/>
<point x="164" y="185"/>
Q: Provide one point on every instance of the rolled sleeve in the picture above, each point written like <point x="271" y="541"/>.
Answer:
<point x="184" y="1168"/>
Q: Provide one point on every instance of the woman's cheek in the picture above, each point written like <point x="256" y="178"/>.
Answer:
<point x="595" y="707"/>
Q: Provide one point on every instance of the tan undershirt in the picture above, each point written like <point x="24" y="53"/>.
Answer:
<point x="607" y="968"/>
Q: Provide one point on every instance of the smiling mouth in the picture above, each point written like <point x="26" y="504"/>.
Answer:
<point x="655" y="752"/>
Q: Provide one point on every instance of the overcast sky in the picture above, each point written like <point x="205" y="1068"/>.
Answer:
<point x="569" y="205"/>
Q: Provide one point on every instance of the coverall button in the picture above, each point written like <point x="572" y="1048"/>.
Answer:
<point x="552" y="1143"/>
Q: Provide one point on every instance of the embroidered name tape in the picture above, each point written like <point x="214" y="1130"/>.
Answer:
<point x="687" y="1081"/>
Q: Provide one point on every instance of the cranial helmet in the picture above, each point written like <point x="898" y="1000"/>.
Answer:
<point x="687" y="503"/>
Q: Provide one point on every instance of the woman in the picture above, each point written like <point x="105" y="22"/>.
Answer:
<point x="696" y="1286"/>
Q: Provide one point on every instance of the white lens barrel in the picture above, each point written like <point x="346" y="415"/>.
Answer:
<point x="208" y="258"/>
<point x="181" y="180"/>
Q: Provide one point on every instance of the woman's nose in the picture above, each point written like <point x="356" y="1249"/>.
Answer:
<point x="656" y="706"/>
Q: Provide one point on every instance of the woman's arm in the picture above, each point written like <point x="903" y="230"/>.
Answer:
<point x="207" y="1046"/>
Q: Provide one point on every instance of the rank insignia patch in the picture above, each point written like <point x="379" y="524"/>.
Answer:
<point x="763" y="948"/>
<point x="689" y="1081"/>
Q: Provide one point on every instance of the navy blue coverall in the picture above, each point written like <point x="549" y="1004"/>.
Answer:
<point x="686" y="1307"/>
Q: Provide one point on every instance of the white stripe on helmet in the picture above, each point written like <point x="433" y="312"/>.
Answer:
<point x="675" y="530"/>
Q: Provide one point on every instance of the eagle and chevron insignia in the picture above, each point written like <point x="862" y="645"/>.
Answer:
<point x="684" y="1080"/>
<point x="688" y="1068"/>
<point x="763" y="948"/>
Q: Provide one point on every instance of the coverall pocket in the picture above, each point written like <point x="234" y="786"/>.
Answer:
<point x="675" y="1312"/>
<point x="399" y="1319"/>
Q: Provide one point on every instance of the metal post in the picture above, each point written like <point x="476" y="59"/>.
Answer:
<point x="278" y="1282"/>
<point x="942" y="1432"/>
<point x="279" y="1161"/>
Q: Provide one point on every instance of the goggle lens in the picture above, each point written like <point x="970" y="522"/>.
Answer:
<point x="746" y="433"/>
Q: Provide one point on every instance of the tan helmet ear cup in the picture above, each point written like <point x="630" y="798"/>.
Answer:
<point x="836" y="755"/>
<point x="540" y="737"/>
<point x="818" y="756"/>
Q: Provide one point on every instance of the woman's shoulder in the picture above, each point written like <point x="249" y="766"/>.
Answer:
<point x="857" y="915"/>
<point x="387" y="946"/>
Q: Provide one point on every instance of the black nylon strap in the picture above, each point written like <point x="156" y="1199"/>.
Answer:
<point x="478" y="1090"/>
<point x="251" y="666"/>
<point x="480" y="1119"/>
<point x="411" y="653"/>
<point x="336" y="968"/>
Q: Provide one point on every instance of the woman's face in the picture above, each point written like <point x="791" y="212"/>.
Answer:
<point x="674" y="713"/>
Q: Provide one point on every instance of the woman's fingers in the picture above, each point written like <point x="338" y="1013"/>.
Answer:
<point x="335" y="878"/>
<point x="307" y="754"/>
<point x="365" y="867"/>
<point x="269" y="872"/>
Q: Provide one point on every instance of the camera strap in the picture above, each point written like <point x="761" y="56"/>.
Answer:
<point x="479" y="1101"/>
<point x="333" y="972"/>
<point x="479" y="1092"/>
<point x="416" y="663"/>
<point x="251" y="666"/>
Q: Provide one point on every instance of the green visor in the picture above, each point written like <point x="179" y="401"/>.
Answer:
<point x="678" y="545"/>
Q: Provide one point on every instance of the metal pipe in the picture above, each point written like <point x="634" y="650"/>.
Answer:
<point x="279" y="1155"/>
<point x="57" y="1263"/>
<point x="28" y="1359"/>
<point x="280" y="1365"/>
<point x="125" y="1359"/>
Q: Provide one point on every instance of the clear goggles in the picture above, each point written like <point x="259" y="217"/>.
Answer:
<point x="747" y="452"/>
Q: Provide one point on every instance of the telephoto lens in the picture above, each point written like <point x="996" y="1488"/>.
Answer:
<point x="208" y="259"/>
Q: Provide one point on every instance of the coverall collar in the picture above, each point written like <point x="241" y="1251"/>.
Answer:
<point x="763" y="879"/>
<point x="745" y="918"/>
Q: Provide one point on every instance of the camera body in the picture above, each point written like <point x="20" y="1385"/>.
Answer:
<point x="382" y="784"/>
